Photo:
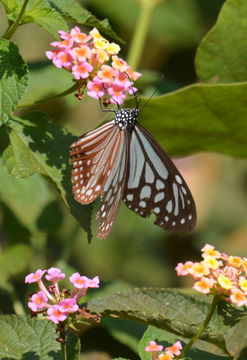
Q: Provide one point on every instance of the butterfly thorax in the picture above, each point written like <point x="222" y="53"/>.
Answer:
<point x="126" y="118"/>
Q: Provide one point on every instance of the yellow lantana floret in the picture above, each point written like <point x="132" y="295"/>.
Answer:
<point x="225" y="282"/>
<point x="212" y="262"/>
<point x="235" y="261"/>
<point x="243" y="283"/>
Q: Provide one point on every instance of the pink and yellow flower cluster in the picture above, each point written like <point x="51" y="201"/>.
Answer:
<point x="94" y="63"/>
<point x="218" y="273"/>
<point x="58" y="305"/>
<point x="168" y="353"/>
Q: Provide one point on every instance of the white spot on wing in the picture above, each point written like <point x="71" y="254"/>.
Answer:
<point x="149" y="175"/>
<point x="158" y="197"/>
<point x="159" y="185"/>
<point x="179" y="180"/>
<point x="142" y="204"/>
<point x="175" y="193"/>
<point x="156" y="210"/>
<point x="169" y="206"/>
<point x="130" y="197"/>
<point x="145" y="192"/>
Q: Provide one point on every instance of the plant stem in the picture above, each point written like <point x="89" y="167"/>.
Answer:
<point x="139" y="37"/>
<point x="203" y="326"/>
<point x="51" y="98"/>
<point x="12" y="28"/>
<point x="64" y="350"/>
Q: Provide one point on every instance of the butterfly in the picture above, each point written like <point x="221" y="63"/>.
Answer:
<point x="121" y="160"/>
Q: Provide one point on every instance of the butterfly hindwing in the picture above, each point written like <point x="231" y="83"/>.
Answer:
<point x="154" y="185"/>
<point x="113" y="190"/>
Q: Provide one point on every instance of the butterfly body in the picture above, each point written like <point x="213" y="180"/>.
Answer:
<point x="126" y="118"/>
<point x="121" y="160"/>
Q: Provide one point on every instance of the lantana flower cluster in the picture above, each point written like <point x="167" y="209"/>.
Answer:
<point x="94" y="63"/>
<point x="56" y="305"/>
<point x="167" y="353"/>
<point x="218" y="273"/>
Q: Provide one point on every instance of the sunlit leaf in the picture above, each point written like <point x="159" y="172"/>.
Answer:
<point x="168" y="309"/>
<point x="200" y="118"/>
<point x="13" y="78"/>
<point x="222" y="54"/>
<point x="75" y="12"/>
<point x="25" y="338"/>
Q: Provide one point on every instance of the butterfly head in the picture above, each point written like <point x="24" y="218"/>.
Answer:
<point x="126" y="117"/>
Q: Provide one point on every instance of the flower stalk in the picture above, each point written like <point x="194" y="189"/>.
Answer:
<point x="70" y="90"/>
<point x="139" y="37"/>
<point x="12" y="28"/>
<point x="203" y="326"/>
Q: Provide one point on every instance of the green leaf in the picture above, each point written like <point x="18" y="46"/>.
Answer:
<point x="236" y="340"/>
<point x="13" y="78"/>
<point x="36" y="145"/>
<point x="201" y="349"/>
<point x="49" y="19"/>
<point x="14" y="261"/>
<point x="200" y="118"/>
<point x="25" y="197"/>
<point x="25" y="338"/>
<point x="168" y="309"/>
<point x="73" y="11"/>
<point x="39" y="12"/>
<point x="222" y="54"/>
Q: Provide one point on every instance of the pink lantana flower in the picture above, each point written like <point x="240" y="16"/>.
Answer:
<point x="37" y="301"/>
<point x="204" y="285"/>
<point x="93" y="283"/>
<point x="175" y="349"/>
<point x="86" y="57"/>
<point x="68" y="305"/>
<point x="78" y="36"/>
<point x="218" y="273"/>
<point x="183" y="269"/>
<point x="82" y="71"/>
<point x="238" y="297"/>
<point x="80" y="282"/>
<point x="55" y="315"/>
<point x="95" y="88"/>
<point x="34" y="277"/>
<point x="54" y="274"/>
<point x="63" y="60"/>
<point x="153" y="347"/>
<point x="81" y="53"/>
<point x="117" y="94"/>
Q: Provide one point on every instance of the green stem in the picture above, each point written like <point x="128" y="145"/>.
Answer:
<point x="203" y="326"/>
<point x="51" y="98"/>
<point x="12" y="28"/>
<point x="64" y="350"/>
<point x="139" y="37"/>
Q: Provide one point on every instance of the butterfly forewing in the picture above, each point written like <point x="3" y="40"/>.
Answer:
<point x="154" y="185"/>
<point x="92" y="157"/>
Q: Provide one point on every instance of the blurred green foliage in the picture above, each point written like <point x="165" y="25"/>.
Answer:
<point x="36" y="229"/>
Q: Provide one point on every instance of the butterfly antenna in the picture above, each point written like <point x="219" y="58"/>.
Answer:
<point x="137" y="98"/>
<point x="155" y="91"/>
